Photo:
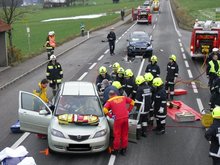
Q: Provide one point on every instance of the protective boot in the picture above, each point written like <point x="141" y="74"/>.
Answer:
<point x="54" y="92"/>
<point x="157" y="127"/>
<point x="144" y="131"/>
<point x="123" y="151"/>
<point x="138" y="134"/>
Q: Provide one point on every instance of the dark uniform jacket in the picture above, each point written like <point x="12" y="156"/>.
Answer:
<point x="172" y="71"/>
<point x="210" y="135"/>
<point x="111" y="37"/>
<point x="100" y="78"/>
<point x="215" y="93"/>
<point x="130" y="87"/>
<point x="154" y="69"/>
<point x="54" y="72"/>
<point x="121" y="80"/>
<point x="160" y="100"/>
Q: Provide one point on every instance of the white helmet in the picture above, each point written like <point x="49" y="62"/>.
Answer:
<point x="52" y="57"/>
<point x="215" y="49"/>
<point x="51" y="33"/>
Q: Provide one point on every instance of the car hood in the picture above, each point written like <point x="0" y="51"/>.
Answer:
<point x="140" y="44"/>
<point x="73" y="129"/>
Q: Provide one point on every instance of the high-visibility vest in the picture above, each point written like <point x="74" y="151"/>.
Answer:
<point x="212" y="67"/>
<point x="52" y="41"/>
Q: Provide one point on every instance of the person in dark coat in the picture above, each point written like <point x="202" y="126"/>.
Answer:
<point x="111" y="40"/>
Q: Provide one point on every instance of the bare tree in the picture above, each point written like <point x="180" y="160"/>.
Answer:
<point x="10" y="14"/>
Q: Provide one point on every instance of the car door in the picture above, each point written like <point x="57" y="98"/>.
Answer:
<point x="33" y="112"/>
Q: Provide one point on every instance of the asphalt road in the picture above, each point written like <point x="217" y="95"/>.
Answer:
<point x="181" y="145"/>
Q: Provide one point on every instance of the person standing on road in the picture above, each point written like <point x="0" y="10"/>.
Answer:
<point x="172" y="74"/>
<point x="118" y="106"/>
<point x="122" y="14"/>
<point x="213" y="135"/>
<point x="111" y="40"/>
<point x="54" y="74"/>
<point x="160" y="106"/>
<point x="153" y="68"/>
<point x="215" y="51"/>
<point x="215" y="92"/>
<point x="115" y="68"/>
<point x="130" y="87"/>
<point x="143" y="97"/>
<point x="120" y="76"/>
<point x="50" y="43"/>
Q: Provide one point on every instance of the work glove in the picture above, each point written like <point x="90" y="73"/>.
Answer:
<point x="161" y="110"/>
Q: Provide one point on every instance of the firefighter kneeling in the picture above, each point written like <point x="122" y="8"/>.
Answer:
<point x="118" y="106"/>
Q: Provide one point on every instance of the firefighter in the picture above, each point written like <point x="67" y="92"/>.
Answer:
<point x="118" y="85"/>
<point x="153" y="67"/>
<point x="102" y="75"/>
<point x="111" y="39"/>
<point x="54" y="74"/>
<point x="115" y="67"/>
<point x="212" y="70"/>
<point x="213" y="135"/>
<point x="118" y="106"/>
<point x="149" y="79"/>
<point x="120" y="76"/>
<point x="50" y="43"/>
<point x="143" y="97"/>
<point x="160" y="106"/>
<point x="215" y="51"/>
<point x="215" y="92"/>
<point x="130" y="87"/>
<point x="172" y="74"/>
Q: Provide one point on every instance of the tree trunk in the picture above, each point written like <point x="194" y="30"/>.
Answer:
<point x="11" y="50"/>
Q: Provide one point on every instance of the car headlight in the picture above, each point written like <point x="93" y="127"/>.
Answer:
<point x="131" y="47"/>
<point x="57" y="133"/>
<point x="100" y="133"/>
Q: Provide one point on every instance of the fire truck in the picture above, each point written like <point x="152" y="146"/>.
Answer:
<point x="142" y="15"/>
<point x="205" y="36"/>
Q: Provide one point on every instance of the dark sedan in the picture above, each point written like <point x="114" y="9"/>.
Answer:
<point x="139" y="44"/>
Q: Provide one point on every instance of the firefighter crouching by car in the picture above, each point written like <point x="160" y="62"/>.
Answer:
<point x="213" y="135"/>
<point x="172" y="74"/>
<point x="149" y="79"/>
<point x="54" y="74"/>
<point x="102" y="75"/>
<point x="120" y="112"/>
<point x="212" y="69"/>
<point x="130" y="87"/>
<point x="215" y="92"/>
<point x="143" y="97"/>
<point x="160" y="106"/>
<point x="115" y="68"/>
<point x="153" y="68"/>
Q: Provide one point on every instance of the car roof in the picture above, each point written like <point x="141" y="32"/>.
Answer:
<point x="138" y="33"/>
<point x="77" y="88"/>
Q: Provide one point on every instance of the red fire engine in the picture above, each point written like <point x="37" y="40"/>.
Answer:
<point x="142" y="15"/>
<point x="205" y="37"/>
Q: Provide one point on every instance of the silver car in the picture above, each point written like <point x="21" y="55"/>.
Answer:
<point x="75" y="97"/>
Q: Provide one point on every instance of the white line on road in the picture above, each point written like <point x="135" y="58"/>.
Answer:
<point x="119" y="38"/>
<point x="184" y="56"/>
<point x="100" y="57"/>
<point x="141" y="66"/>
<point x="200" y="105"/>
<point x="186" y="63"/>
<point x="83" y="75"/>
<point x="182" y="50"/>
<point x="156" y="19"/>
<point x="179" y="40"/>
<point x="189" y="73"/>
<point x="195" y="90"/>
<point x="150" y="37"/>
<point x="112" y="160"/>
<point x="116" y="41"/>
<point x="181" y="45"/>
<point x="106" y="51"/>
<point x="20" y="140"/>
<point x="92" y="66"/>
<point x="154" y="26"/>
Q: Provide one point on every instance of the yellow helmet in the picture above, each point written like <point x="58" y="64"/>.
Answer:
<point x="117" y="84"/>
<point x="102" y="70"/>
<point x="157" y="82"/>
<point x="115" y="66"/>
<point x="148" y="77"/>
<point x="216" y="113"/>
<point x="139" y="80"/>
<point x="172" y="57"/>
<point x="153" y="58"/>
<point x="120" y="70"/>
<point x="128" y="73"/>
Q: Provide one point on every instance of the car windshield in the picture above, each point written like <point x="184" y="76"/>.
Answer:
<point x="139" y="37"/>
<point x="82" y="105"/>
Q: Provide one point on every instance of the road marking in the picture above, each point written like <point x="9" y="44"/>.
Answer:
<point x="106" y="51"/>
<point x="83" y="75"/>
<point x="112" y="160"/>
<point x="141" y="66"/>
<point x="186" y="63"/>
<point x="154" y="26"/>
<point x="174" y="23"/>
<point x="182" y="50"/>
<point x="92" y="66"/>
<point x="150" y="37"/>
<point x="194" y="87"/>
<point x="184" y="56"/>
<point x="200" y="105"/>
<point x="189" y="73"/>
<point x="116" y="41"/>
<point x="119" y="38"/>
<point x="100" y="57"/>
<point x="20" y="140"/>
<point x="156" y="19"/>
<point x="181" y="45"/>
<point x="179" y="40"/>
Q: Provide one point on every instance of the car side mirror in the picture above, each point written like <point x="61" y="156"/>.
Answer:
<point x="43" y="112"/>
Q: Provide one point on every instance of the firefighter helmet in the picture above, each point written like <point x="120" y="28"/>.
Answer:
<point x="128" y="73"/>
<point x="115" y="66"/>
<point x="157" y="82"/>
<point x="50" y="33"/>
<point x="52" y="57"/>
<point x="102" y="70"/>
<point x="172" y="57"/>
<point x="148" y="77"/>
<point x="153" y="58"/>
<point x="139" y="80"/>
<point x="117" y="84"/>
<point x="120" y="70"/>
<point x="216" y="113"/>
<point x="215" y="49"/>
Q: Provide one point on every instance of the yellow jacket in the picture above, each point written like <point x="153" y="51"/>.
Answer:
<point x="42" y="93"/>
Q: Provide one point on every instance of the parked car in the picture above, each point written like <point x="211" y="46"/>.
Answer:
<point x="139" y="44"/>
<point x="70" y="134"/>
